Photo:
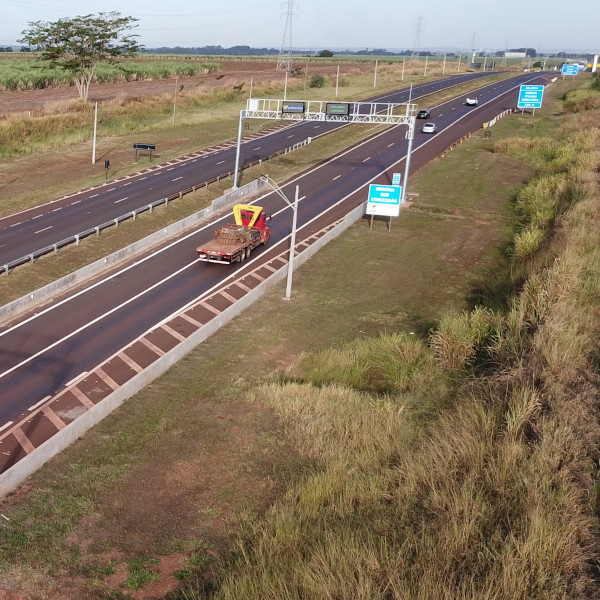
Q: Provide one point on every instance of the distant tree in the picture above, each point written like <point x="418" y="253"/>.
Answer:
<point x="79" y="44"/>
<point x="325" y="54"/>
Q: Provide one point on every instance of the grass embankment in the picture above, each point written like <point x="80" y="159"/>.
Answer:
<point x="461" y="466"/>
<point x="450" y="465"/>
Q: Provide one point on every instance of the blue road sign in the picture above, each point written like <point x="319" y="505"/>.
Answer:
<point x="530" y="96"/>
<point x="396" y="179"/>
<point x="570" y="70"/>
<point x="384" y="200"/>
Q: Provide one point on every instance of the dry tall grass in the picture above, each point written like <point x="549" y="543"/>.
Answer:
<point x="492" y="495"/>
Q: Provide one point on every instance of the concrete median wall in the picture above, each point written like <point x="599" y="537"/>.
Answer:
<point x="72" y="280"/>
<point x="14" y="476"/>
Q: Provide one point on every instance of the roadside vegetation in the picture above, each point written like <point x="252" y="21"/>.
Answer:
<point x="20" y="74"/>
<point x="461" y="465"/>
<point x="421" y="421"/>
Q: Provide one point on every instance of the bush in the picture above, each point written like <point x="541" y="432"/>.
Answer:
<point x="317" y="81"/>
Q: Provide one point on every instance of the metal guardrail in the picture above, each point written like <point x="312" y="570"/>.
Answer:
<point x="76" y="238"/>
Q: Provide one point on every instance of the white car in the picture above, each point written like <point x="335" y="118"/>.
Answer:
<point x="429" y="128"/>
<point x="472" y="101"/>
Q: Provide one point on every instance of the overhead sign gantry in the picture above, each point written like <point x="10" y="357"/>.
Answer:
<point x="379" y="113"/>
<point x="383" y="113"/>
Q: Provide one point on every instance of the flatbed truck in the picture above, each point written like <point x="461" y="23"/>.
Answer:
<point x="234" y="242"/>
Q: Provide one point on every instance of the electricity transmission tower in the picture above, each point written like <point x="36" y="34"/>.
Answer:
<point x="417" y="45"/>
<point x="284" y="62"/>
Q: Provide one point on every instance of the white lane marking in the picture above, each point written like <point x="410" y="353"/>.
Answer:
<point x="128" y="183"/>
<point x="45" y="229"/>
<point x="390" y="145"/>
<point x="121" y="200"/>
<point x="257" y="148"/>
<point x="94" y="195"/>
<point x="76" y="202"/>
<point x="70" y="383"/>
<point x="336" y="177"/>
<point x="39" y="403"/>
<point x="6" y="425"/>
<point x="37" y="217"/>
<point x="96" y="320"/>
<point x="59" y="208"/>
<point x="367" y="159"/>
<point x="171" y="169"/>
<point x="221" y="162"/>
<point x="142" y="178"/>
<point x="177" y="178"/>
<point x="290" y="136"/>
<point x="15" y="224"/>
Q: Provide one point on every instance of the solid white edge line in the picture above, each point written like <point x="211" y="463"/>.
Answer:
<point x="39" y="403"/>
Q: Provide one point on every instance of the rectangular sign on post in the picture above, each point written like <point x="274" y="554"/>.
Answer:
<point x="396" y="179"/>
<point x="384" y="200"/>
<point x="530" y="96"/>
<point x="570" y="70"/>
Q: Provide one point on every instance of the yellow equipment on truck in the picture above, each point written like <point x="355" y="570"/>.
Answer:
<point x="234" y="242"/>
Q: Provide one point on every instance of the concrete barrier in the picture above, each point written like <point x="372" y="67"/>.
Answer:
<point x="14" y="476"/>
<point x="45" y="294"/>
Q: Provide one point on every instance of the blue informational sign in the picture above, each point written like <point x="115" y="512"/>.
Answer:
<point x="396" y="179"/>
<point x="384" y="200"/>
<point x="570" y="70"/>
<point x="293" y="107"/>
<point x="530" y="96"/>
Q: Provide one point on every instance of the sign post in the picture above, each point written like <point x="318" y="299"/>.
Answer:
<point x="569" y="70"/>
<point x="530" y="96"/>
<point x="149" y="147"/>
<point x="384" y="200"/>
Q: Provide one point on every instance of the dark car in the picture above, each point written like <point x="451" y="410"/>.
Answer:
<point x="424" y="114"/>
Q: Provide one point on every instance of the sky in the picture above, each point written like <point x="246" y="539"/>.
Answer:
<point x="460" y="25"/>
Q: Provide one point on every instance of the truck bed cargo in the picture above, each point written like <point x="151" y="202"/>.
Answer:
<point x="235" y="241"/>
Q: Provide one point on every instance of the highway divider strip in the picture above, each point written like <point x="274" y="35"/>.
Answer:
<point x="44" y="294"/>
<point x="132" y="214"/>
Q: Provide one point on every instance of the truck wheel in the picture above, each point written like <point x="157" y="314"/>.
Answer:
<point x="242" y="256"/>
<point x="248" y="250"/>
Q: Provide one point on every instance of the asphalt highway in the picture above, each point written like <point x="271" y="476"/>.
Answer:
<point x="41" y="227"/>
<point x="41" y="354"/>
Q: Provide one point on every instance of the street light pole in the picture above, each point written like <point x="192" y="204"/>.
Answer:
<point x="237" y="151"/>
<point x="294" y="207"/>
<point x="288" y="286"/>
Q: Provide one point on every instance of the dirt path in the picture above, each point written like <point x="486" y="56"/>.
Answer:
<point x="35" y="102"/>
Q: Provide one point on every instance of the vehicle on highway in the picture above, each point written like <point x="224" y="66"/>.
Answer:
<point x="424" y="114"/>
<point x="234" y="242"/>
<point x="472" y="101"/>
<point x="429" y="128"/>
